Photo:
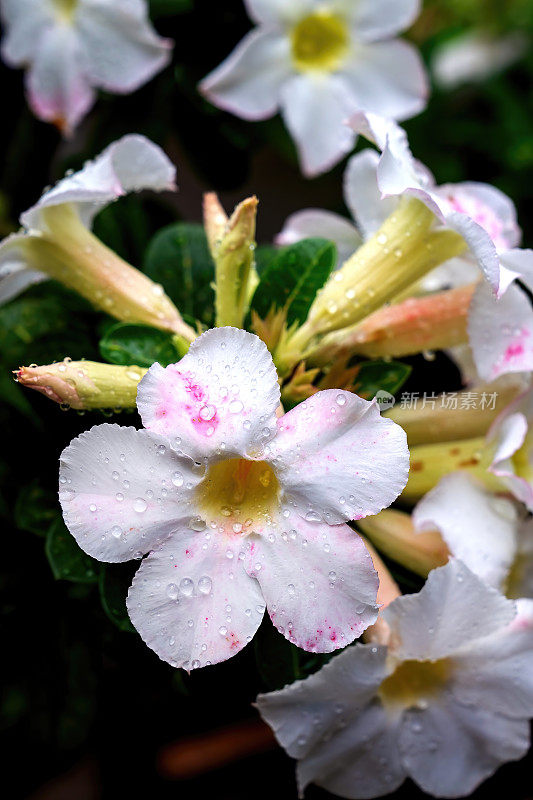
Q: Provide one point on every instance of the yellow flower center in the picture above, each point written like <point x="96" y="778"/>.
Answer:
<point x="413" y="682"/>
<point x="320" y="42"/>
<point x="65" y="8"/>
<point x="521" y="460"/>
<point x="240" y="493"/>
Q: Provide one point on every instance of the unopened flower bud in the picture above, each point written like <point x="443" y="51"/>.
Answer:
<point x="84" y="384"/>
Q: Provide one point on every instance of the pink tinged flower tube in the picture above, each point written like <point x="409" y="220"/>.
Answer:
<point x="236" y="509"/>
<point x="445" y="703"/>
<point x="318" y="64"/>
<point x="56" y="239"/>
<point x="72" y="47"/>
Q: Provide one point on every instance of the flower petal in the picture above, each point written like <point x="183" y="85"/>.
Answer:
<point x="380" y="19"/>
<point x="387" y="78"/>
<point x="248" y="83"/>
<point x="362" y="194"/>
<point x="518" y="263"/>
<point x="276" y="12"/>
<point x="337" y="459"/>
<point x="507" y="436"/>
<point x="497" y="674"/>
<point x="331" y="724"/>
<point x="128" y="165"/>
<point x="478" y="527"/>
<point x="58" y="88"/>
<point x="314" y="222"/>
<point x="487" y="206"/>
<point x="192" y="603"/>
<point x="222" y="396"/>
<point x="361" y="761"/>
<point x="123" y="491"/>
<point x="450" y="748"/>
<point x="318" y="581"/>
<point x="453" y="607"/>
<point x="15" y="274"/>
<point x="25" y="22"/>
<point x="121" y="49"/>
<point x="314" y="108"/>
<point x="501" y="332"/>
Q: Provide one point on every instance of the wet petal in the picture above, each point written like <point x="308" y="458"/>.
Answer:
<point x="454" y="607"/>
<point x="192" y="602"/>
<point x="337" y="458"/>
<point x="318" y="581"/>
<point x="501" y="332"/>
<point x="478" y="527"/>
<point x="362" y="194"/>
<point x="128" y="165"/>
<point x="450" y="748"/>
<point x="222" y="396"/>
<point x="123" y="491"/>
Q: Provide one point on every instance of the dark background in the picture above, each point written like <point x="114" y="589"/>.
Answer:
<point x="87" y="709"/>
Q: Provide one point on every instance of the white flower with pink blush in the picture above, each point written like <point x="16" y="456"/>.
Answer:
<point x="237" y="509"/>
<point x="72" y="47"/>
<point x="319" y="61"/>
<point x="445" y="703"/>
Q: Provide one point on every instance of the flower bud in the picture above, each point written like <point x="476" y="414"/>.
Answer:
<point x="232" y="245"/>
<point x="84" y="384"/>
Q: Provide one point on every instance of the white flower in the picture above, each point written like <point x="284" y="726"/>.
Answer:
<point x="485" y="531"/>
<point x="237" y="509"/>
<point x="500" y="328"/>
<point x="56" y="240"/>
<point x="474" y="56"/>
<point x="72" y="47"/>
<point x="510" y="440"/>
<point x="445" y="703"/>
<point x="319" y="61"/>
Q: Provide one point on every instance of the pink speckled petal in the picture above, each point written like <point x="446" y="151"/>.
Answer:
<point x="57" y="86"/>
<point x="487" y="206"/>
<point x="315" y="222"/>
<point x="454" y="608"/>
<point x="219" y="400"/>
<point x="478" y="527"/>
<point x="318" y="581"/>
<point x="192" y="602"/>
<point x="128" y="165"/>
<point x="123" y="491"/>
<point x="501" y="332"/>
<point x="332" y="724"/>
<point x="338" y="459"/>
<point x="121" y="49"/>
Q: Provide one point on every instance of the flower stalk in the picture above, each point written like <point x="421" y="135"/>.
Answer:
<point x="68" y="252"/>
<point x="84" y="385"/>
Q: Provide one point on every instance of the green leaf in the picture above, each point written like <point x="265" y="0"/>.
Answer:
<point x="67" y="560"/>
<point x="387" y="376"/>
<point x="293" y="277"/>
<point x="264" y="255"/>
<point x="178" y="258"/>
<point x="138" y="345"/>
<point x="113" y="585"/>
<point x="35" y="509"/>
